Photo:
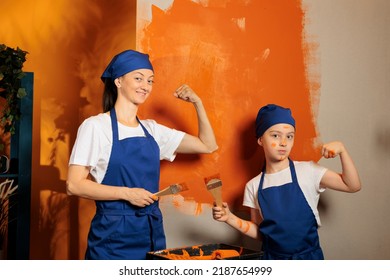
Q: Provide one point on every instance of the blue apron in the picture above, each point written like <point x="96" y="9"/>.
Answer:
<point x="120" y="230"/>
<point x="289" y="229"/>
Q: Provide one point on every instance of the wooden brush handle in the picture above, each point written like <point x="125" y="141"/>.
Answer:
<point x="217" y="194"/>
<point x="165" y="191"/>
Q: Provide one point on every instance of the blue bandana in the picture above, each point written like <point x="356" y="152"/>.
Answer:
<point x="270" y="115"/>
<point x="126" y="62"/>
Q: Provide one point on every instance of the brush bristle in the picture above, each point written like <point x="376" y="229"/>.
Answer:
<point x="215" y="183"/>
<point x="208" y="179"/>
<point x="179" y="188"/>
<point x="183" y="186"/>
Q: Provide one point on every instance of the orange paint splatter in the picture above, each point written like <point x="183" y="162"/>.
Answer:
<point x="273" y="145"/>
<point x="247" y="226"/>
<point x="176" y="203"/>
<point x="239" y="223"/>
<point x="198" y="210"/>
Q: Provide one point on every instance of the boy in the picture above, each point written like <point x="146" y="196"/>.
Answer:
<point x="283" y="198"/>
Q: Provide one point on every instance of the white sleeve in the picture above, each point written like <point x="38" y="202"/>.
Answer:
<point x="250" y="193"/>
<point x="318" y="172"/>
<point x="168" y="139"/>
<point x="86" y="149"/>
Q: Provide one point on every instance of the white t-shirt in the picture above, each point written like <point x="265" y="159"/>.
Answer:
<point x="94" y="142"/>
<point x="309" y="175"/>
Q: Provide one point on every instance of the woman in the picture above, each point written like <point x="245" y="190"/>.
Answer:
<point x="116" y="161"/>
<point x="283" y="198"/>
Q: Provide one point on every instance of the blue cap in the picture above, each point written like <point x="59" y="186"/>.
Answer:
<point x="126" y="62"/>
<point x="270" y="115"/>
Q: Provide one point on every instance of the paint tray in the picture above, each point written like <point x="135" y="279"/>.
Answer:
<point x="204" y="250"/>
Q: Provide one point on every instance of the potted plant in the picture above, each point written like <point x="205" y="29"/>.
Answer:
<point x="11" y="74"/>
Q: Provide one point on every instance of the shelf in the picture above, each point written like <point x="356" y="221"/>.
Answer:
<point x="9" y="175"/>
<point x="18" y="241"/>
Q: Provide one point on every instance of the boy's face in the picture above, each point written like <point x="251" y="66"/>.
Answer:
<point x="277" y="141"/>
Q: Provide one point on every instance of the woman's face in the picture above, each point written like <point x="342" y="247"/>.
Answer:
<point x="135" y="86"/>
<point x="277" y="141"/>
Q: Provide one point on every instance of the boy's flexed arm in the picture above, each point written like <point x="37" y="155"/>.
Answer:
<point x="348" y="180"/>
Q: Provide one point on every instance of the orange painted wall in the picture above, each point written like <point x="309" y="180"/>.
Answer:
<point x="238" y="56"/>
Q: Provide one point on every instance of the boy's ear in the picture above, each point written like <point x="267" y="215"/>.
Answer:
<point x="259" y="141"/>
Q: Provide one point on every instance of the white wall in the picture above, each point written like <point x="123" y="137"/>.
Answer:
<point x="354" y="54"/>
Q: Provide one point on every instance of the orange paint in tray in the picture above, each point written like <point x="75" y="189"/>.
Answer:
<point x="206" y="252"/>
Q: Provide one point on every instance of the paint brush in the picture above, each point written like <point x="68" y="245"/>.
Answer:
<point x="172" y="189"/>
<point x="214" y="186"/>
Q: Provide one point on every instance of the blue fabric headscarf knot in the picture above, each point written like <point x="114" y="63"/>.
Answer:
<point x="270" y="115"/>
<point x="126" y="62"/>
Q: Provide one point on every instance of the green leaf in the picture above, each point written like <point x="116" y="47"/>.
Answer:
<point x="21" y="93"/>
<point x="21" y="75"/>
